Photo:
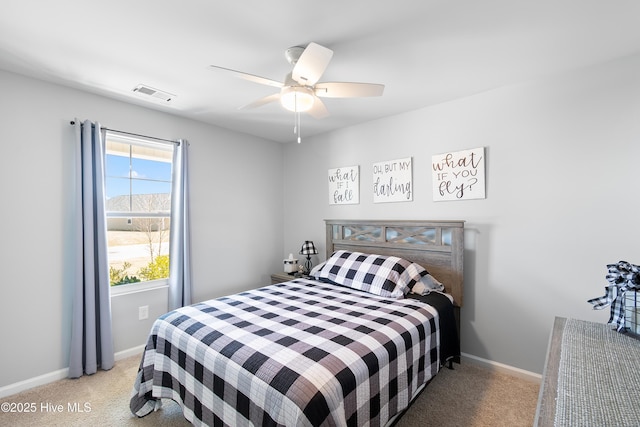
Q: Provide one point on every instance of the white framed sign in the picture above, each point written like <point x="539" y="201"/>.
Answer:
<point x="458" y="175"/>
<point x="344" y="185"/>
<point x="392" y="181"/>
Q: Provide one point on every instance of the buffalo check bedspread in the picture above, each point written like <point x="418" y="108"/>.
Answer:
<point x="299" y="353"/>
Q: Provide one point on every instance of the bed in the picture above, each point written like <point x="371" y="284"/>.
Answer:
<point x="349" y="345"/>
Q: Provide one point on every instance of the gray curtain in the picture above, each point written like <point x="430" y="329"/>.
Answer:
<point x="91" y="338"/>
<point x="180" y="244"/>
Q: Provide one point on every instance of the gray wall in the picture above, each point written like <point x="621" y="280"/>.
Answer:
<point x="237" y="194"/>
<point x="562" y="179"/>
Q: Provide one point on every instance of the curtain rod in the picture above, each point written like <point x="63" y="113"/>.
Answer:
<point x="72" y="122"/>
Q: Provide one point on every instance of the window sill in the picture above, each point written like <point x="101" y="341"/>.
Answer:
<point x="134" y="288"/>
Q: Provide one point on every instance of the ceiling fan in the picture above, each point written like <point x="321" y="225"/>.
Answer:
<point x="300" y="91"/>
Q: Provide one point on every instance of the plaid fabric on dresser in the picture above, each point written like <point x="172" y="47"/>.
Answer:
<point x="299" y="353"/>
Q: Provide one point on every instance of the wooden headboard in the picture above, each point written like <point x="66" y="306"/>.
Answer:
<point x="436" y="245"/>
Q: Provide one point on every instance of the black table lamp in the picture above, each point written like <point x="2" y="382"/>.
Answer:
<point x="308" y="249"/>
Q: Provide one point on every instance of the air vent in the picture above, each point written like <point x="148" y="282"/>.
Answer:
<point x="154" y="93"/>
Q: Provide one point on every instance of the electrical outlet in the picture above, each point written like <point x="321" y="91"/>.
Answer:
<point x="143" y="312"/>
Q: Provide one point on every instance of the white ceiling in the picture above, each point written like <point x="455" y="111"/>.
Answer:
<point x="424" y="51"/>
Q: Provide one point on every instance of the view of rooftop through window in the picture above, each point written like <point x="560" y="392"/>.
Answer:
<point x="138" y="206"/>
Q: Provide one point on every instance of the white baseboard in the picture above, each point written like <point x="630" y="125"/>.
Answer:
<point x="30" y="383"/>
<point x="500" y="367"/>
<point x="135" y="351"/>
<point x="27" y="384"/>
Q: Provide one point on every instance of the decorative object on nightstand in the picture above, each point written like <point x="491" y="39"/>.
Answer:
<point x="308" y="249"/>
<point x="291" y="265"/>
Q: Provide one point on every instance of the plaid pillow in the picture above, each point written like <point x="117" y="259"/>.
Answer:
<point x="387" y="276"/>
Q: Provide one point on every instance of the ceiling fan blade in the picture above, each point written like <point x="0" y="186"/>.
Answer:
<point x="318" y="111"/>
<point x="250" y="77"/>
<point x="262" y="101"/>
<point x="348" y="90"/>
<point x="311" y="64"/>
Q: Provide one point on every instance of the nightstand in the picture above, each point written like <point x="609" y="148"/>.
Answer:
<point x="282" y="277"/>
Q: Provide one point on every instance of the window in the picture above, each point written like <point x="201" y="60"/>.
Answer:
<point x="138" y="209"/>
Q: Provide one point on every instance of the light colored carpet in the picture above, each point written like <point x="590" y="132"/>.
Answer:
<point x="469" y="395"/>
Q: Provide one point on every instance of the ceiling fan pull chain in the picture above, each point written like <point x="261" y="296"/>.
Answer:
<point x="298" y="126"/>
<point x="295" y="114"/>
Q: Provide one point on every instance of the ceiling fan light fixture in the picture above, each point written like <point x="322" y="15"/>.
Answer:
<point x="297" y="98"/>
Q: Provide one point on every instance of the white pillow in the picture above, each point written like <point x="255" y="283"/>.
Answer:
<point x="427" y="284"/>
